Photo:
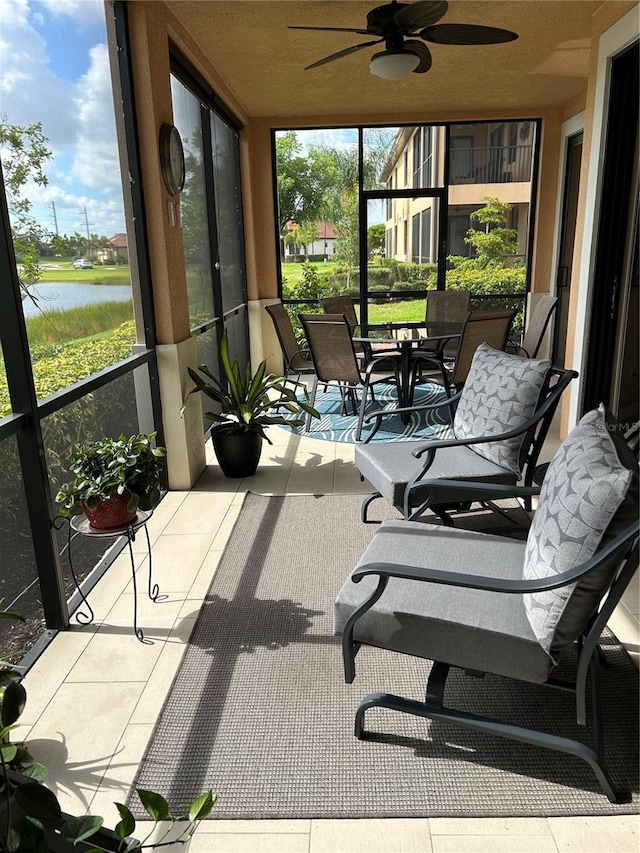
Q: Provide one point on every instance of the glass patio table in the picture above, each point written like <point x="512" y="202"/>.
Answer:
<point x="407" y="336"/>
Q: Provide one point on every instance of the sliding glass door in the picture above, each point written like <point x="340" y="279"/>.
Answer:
<point x="212" y="226"/>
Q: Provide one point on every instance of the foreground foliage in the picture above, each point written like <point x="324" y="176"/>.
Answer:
<point x="29" y="811"/>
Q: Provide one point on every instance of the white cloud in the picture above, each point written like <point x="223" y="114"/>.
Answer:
<point x="81" y="11"/>
<point x="104" y="216"/>
<point x="342" y="139"/>
<point x="29" y="91"/>
<point x="96" y="158"/>
<point x="77" y="117"/>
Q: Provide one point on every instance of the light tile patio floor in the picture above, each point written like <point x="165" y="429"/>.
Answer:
<point x="94" y="695"/>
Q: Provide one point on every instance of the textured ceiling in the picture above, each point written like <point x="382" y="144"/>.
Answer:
<point x="262" y="61"/>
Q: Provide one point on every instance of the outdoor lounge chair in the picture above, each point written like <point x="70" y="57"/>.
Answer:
<point x="334" y="359"/>
<point x="490" y="604"/>
<point x="499" y="420"/>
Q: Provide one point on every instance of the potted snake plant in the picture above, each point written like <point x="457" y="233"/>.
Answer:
<point x="248" y="403"/>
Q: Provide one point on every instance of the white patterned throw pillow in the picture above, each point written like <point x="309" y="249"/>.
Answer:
<point x="589" y="495"/>
<point x="500" y="394"/>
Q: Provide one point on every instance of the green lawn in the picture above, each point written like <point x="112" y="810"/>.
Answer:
<point x="409" y="310"/>
<point x="63" y="270"/>
<point x="293" y="272"/>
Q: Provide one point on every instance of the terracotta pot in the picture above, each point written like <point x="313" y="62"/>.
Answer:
<point x="111" y="514"/>
<point x="239" y="454"/>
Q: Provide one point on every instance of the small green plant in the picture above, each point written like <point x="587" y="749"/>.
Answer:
<point x="110" y="467"/>
<point x="249" y="401"/>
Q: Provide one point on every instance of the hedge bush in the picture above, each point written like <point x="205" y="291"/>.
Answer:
<point x="58" y="366"/>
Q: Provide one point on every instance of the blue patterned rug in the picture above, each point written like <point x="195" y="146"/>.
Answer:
<point x="334" y="426"/>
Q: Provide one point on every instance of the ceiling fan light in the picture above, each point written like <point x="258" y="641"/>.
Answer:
<point x="393" y="64"/>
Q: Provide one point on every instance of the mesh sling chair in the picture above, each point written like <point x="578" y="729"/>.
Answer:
<point x="296" y="361"/>
<point x="334" y="359"/>
<point x="500" y="420"/>
<point x="490" y="327"/>
<point x="490" y="604"/>
<point x="344" y="305"/>
<point x="444" y="306"/>
<point x="536" y="327"/>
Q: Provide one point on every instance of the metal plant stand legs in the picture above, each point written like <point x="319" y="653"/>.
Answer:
<point x="79" y="526"/>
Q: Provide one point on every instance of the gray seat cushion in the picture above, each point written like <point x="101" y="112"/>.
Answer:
<point x="467" y="628"/>
<point x="500" y="394"/>
<point x="389" y="466"/>
<point x="589" y="495"/>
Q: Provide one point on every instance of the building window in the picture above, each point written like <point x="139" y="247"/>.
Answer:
<point x="425" y="237"/>
<point x="427" y="156"/>
<point x="416" y="159"/>
<point x="415" y="238"/>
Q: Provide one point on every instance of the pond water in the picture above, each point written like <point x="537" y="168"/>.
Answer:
<point x="62" y="295"/>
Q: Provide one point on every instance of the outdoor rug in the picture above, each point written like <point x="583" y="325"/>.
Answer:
<point x="335" y="426"/>
<point x="259" y="711"/>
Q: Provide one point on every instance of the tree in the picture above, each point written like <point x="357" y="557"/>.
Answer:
<point x="377" y="239"/>
<point x="302" y="235"/>
<point x="494" y="269"/>
<point x="323" y="185"/>
<point x="497" y="241"/>
<point x="347" y="233"/>
<point x="24" y="153"/>
<point x="301" y="183"/>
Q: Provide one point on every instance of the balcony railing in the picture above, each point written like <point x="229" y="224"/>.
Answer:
<point x="494" y="165"/>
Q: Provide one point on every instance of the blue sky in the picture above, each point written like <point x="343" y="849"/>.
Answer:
<point x="54" y="68"/>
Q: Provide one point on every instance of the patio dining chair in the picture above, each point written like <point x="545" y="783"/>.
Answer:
<point x="335" y="361"/>
<point x="296" y="360"/>
<point x="536" y="327"/>
<point x="445" y="306"/>
<point x="490" y="327"/>
<point x="499" y="421"/>
<point x="488" y="604"/>
<point x="344" y="305"/>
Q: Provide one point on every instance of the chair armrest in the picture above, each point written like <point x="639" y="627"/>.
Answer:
<point x="305" y="353"/>
<point x="484" y="491"/>
<point x="481" y="491"/>
<point x="516" y="349"/>
<point x="549" y="403"/>
<point x="386" y="570"/>
<point x="384" y="413"/>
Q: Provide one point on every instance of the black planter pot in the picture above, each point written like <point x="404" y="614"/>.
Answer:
<point x="238" y="454"/>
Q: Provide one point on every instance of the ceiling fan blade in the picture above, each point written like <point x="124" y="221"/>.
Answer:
<point x="424" y="13"/>
<point x="333" y="30"/>
<point x="466" y="34"/>
<point x="342" y="53"/>
<point x="422" y="52"/>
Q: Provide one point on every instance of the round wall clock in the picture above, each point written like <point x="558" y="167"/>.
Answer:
<point x="172" y="159"/>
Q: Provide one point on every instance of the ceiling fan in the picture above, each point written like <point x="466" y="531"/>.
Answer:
<point x="394" y="22"/>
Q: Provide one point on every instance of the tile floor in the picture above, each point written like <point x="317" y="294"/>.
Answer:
<point x="94" y="694"/>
